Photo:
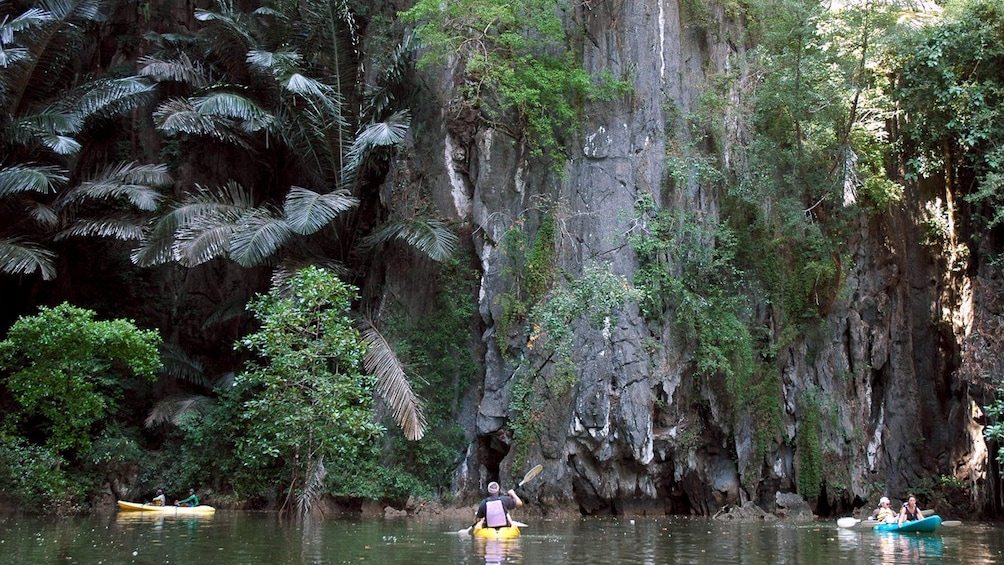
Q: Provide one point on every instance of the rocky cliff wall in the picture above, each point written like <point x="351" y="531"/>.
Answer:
<point x="622" y="425"/>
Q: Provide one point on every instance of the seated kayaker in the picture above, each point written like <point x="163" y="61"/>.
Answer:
<point x="884" y="513"/>
<point x="160" y="499"/>
<point x="493" y="512"/>
<point x="910" y="511"/>
<point x="192" y="500"/>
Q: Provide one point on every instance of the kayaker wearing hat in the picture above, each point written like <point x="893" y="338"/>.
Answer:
<point x="883" y="513"/>
<point x="493" y="512"/>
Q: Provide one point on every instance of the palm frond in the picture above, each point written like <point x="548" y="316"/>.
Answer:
<point x="30" y="18"/>
<point x="379" y="97"/>
<point x="261" y="234"/>
<point x="206" y="222"/>
<point x="105" y="98"/>
<point x="173" y="410"/>
<point x="85" y="10"/>
<point x="279" y="62"/>
<point x="248" y="113"/>
<point x="43" y="214"/>
<point x="428" y="236"/>
<point x="31" y="178"/>
<point x="381" y="134"/>
<point x="177" y="363"/>
<point x="182" y="69"/>
<point x="308" y="211"/>
<point x="313" y="487"/>
<point x="18" y="257"/>
<point x="312" y="89"/>
<point x="228" y="18"/>
<point x="61" y="144"/>
<point x="118" y="227"/>
<point x="205" y="238"/>
<point x="157" y="245"/>
<point x="45" y="122"/>
<point x="178" y="115"/>
<point x="12" y="56"/>
<point x="392" y="383"/>
<point x="232" y="309"/>
<point x="130" y="181"/>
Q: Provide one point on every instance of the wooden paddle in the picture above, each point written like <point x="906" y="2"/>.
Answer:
<point x="530" y="475"/>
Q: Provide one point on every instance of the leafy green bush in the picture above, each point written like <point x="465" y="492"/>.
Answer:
<point x="66" y="373"/>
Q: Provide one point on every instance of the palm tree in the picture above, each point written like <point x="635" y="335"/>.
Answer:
<point x="47" y="112"/>
<point x="295" y="67"/>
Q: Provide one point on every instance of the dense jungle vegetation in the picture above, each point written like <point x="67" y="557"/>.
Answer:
<point x="192" y="227"/>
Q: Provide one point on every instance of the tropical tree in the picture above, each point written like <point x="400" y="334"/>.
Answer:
<point x="66" y="374"/>
<point x="49" y="105"/>
<point x="306" y="402"/>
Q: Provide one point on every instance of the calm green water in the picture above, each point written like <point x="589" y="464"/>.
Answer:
<point x="238" y="538"/>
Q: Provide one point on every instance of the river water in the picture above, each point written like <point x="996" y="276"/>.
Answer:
<point x="230" y="538"/>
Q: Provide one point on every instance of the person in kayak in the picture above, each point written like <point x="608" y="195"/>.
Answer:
<point x="192" y="500"/>
<point x="493" y="512"/>
<point x="160" y="499"/>
<point x="910" y="512"/>
<point x="884" y="513"/>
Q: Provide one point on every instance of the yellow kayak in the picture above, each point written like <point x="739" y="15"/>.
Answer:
<point x="172" y="510"/>
<point x="505" y="532"/>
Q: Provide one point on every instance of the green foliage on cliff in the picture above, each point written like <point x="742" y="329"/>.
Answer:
<point x="950" y="84"/>
<point x="808" y="448"/>
<point x="436" y="345"/>
<point x="515" y="57"/>
<point x="530" y="270"/>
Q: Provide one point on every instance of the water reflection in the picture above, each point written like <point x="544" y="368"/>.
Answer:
<point x="908" y="548"/>
<point x="252" y="539"/>
<point x="497" y="551"/>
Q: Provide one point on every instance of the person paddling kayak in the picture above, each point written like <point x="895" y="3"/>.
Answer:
<point x="493" y="512"/>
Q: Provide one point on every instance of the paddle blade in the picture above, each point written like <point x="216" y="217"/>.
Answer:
<point x="847" y="522"/>
<point x="951" y="523"/>
<point x="531" y="474"/>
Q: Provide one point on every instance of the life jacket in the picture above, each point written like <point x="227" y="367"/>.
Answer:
<point x="495" y="514"/>
<point x="911" y="516"/>
<point x="885" y="515"/>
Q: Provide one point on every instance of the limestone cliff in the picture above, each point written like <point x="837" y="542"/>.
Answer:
<point x="623" y="425"/>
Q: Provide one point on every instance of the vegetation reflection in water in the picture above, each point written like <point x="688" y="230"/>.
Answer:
<point x="243" y="538"/>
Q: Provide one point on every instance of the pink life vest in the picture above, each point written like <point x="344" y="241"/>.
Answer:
<point x="495" y="514"/>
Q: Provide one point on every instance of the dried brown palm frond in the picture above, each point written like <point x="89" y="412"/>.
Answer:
<point x="392" y="383"/>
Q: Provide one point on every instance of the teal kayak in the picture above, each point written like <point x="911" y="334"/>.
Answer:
<point x="928" y="524"/>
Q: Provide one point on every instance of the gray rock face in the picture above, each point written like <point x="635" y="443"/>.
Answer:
<point x="637" y="432"/>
